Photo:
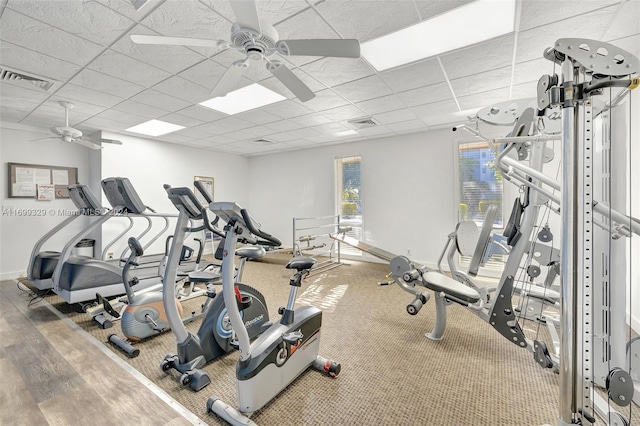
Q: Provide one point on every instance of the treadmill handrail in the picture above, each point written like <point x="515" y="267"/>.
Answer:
<point x="44" y="239"/>
<point x="255" y="231"/>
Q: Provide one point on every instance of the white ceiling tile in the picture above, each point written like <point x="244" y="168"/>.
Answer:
<point x="161" y="100"/>
<point x="408" y="126"/>
<point x="305" y="25"/>
<point x="123" y="67"/>
<point x="304" y="133"/>
<point x="212" y="129"/>
<point x="104" y="83"/>
<point x="311" y="119"/>
<point x="172" y="59"/>
<point x="183" y="89"/>
<point x="201" y="113"/>
<point x="87" y="19"/>
<point x="364" y="89"/>
<point x="140" y="109"/>
<point x="590" y="25"/>
<point x="542" y="12"/>
<point x="123" y="117"/>
<point x="258" y="116"/>
<point x="35" y="35"/>
<point x="325" y="99"/>
<point x="269" y="11"/>
<point x="189" y="18"/>
<point x="79" y="107"/>
<point x="345" y="112"/>
<point x="368" y="19"/>
<point x="206" y="73"/>
<point x="408" y="77"/>
<point x="287" y="109"/>
<point x="335" y="71"/>
<point x="102" y="123"/>
<point x="525" y="90"/>
<point x="7" y="113"/>
<point x="181" y="120"/>
<point x="283" y="126"/>
<point x="29" y="61"/>
<point x="374" y="131"/>
<point x="430" y="8"/>
<point x="84" y="94"/>
<point x="383" y="104"/>
<point x="531" y="71"/>
<point x="625" y="22"/>
<point x="19" y="98"/>
<point x="232" y="123"/>
<point x="257" y="131"/>
<point x="480" y="100"/>
<point x="426" y="95"/>
<point x="481" y="57"/>
<point x="197" y="132"/>
<point x="175" y="138"/>
<point x="395" y="116"/>
<point x="241" y="135"/>
<point x="212" y="141"/>
<point x="282" y="137"/>
<point x="482" y="82"/>
<point x="126" y="8"/>
<point x="424" y="112"/>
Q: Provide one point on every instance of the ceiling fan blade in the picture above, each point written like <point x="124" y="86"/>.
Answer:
<point x="336" y="48"/>
<point x="230" y="79"/>
<point x="290" y="80"/>
<point x="101" y="141"/>
<point x="246" y="13"/>
<point x="175" y="41"/>
<point x="44" y="139"/>
<point x="86" y="143"/>
<point x="111" y="141"/>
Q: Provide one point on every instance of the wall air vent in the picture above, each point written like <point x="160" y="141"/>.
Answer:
<point x="263" y="141"/>
<point x="364" y="122"/>
<point x="8" y="74"/>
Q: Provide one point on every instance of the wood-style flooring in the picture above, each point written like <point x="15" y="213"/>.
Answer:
<point x="50" y="374"/>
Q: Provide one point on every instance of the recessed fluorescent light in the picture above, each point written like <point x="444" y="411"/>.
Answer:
<point x="154" y="128"/>
<point x="347" y="133"/>
<point x="463" y="26"/>
<point x="249" y="97"/>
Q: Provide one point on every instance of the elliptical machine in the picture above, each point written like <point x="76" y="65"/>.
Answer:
<point x="284" y="351"/>
<point x="215" y="336"/>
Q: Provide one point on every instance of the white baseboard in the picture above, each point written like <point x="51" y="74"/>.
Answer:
<point x="12" y="275"/>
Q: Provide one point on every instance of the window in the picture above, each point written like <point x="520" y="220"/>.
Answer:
<point x="480" y="183"/>
<point x="349" y="197"/>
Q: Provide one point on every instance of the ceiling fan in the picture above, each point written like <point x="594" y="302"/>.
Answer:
<point x="259" y="41"/>
<point x="69" y="134"/>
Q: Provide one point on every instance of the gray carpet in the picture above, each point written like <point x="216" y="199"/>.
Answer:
<point x="391" y="374"/>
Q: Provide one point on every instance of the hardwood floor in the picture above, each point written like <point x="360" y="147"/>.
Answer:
<point x="52" y="375"/>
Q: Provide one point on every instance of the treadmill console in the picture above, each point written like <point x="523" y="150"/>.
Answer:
<point x="184" y="197"/>
<point x="121" y="195"/>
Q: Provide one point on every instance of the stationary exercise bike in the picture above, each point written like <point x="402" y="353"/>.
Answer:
<point x="215" y="336"/>
<point x="285" y="350"/>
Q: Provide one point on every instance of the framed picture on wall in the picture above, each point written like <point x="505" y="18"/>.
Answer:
<point x="207" y="182"/>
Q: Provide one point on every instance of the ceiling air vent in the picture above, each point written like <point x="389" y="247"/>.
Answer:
<point x="364" y="122"/>
<point x="263" y="141"/>
<point x="8" y="74"/>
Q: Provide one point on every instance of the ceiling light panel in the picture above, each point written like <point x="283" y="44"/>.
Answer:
<point x="244" y="99"/>
<point x="452" y="30"/>
<point x="154" y="128"/>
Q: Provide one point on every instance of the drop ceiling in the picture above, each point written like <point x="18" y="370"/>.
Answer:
<point x="84" y="47"/>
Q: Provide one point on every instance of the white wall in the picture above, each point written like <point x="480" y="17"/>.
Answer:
<point x="150" y="164"/>
<point x="20" y="233"/>
<point x="407" y="182"/>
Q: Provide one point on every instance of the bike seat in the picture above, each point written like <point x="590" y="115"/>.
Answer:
<point x="250" y="252"/>
<point x="300" y="263"/>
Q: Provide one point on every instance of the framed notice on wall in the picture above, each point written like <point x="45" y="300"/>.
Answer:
<point x="39" y="181"/>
